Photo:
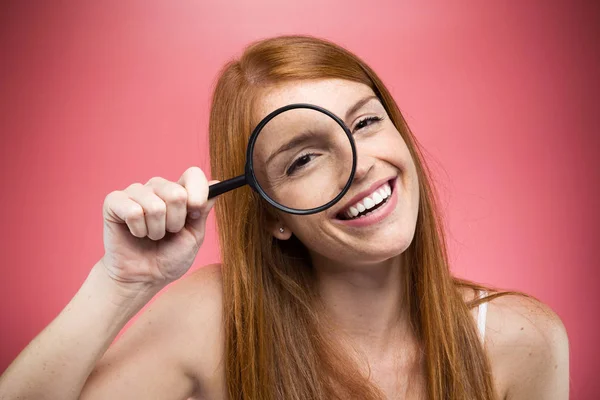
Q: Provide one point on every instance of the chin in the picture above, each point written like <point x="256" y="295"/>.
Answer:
<point x="365" y="253"/>
<point x="381" y="254"/>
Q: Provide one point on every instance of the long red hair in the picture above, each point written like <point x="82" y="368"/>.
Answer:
<point x="276" y="346"/>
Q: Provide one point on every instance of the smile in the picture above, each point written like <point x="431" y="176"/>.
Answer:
<point x="368" y="204"/>
<point x="370" y="207"/>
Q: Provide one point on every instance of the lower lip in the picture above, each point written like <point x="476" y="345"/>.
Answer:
<point x="377" y="216"/>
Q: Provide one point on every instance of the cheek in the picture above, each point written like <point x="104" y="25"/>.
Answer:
<point x="301" y="225"/>
<point x="309" y="230"/>
<point x="395" y="152"/>
<point x="393" y="149"/>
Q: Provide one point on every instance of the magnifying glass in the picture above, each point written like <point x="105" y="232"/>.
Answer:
<point x="301" y="158"/>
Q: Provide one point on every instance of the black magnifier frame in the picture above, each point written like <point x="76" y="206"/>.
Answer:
<point x="249" y="178"/>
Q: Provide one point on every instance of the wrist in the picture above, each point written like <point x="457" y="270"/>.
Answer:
<point x="123" y="295"/>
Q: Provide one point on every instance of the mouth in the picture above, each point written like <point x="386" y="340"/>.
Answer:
<point x="368" y="203"/>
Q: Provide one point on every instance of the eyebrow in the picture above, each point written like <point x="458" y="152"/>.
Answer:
<point x="306" y="136"/>
<point x="358" y="105"/>
<point x="296" y="141"/>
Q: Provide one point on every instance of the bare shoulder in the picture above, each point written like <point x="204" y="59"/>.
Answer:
<point x="205" y="284"/>
<point x="195" y="301"/>
<point x="528" y="347"/>
<point x="174" y="348"/>
<point x="198" y="299"/>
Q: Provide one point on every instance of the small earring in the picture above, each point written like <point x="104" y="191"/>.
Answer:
<point x="281" y="230"/>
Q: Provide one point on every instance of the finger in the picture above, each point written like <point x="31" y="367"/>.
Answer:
<point x="155" y="209"/>
<point x="198" y="205"/>
<point x="195" y="183"/>
<point x="209" y="204"/>
<point x="119" y="208"/>
<point x="175" y="197"/>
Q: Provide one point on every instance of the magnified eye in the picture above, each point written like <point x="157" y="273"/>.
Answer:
<point x="366" y="122"/>
<point x="300" y="163"/>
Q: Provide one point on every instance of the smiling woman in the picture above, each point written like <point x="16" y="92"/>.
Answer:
<point x="356" y="301"/>
<point x="375" y="282"/>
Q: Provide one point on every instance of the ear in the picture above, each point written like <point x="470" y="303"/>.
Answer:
<point x="278" y="229"/>
<point x="282" y="233"/>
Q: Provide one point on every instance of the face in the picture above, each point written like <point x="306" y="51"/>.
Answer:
<point x="376" y="218"/>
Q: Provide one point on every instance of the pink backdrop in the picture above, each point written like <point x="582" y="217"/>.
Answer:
<point x="97" y="95"/>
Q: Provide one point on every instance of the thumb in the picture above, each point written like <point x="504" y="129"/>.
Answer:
<point x="197" y="218"/>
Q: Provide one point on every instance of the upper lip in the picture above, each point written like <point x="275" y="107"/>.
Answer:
<point x="363" y="194"/>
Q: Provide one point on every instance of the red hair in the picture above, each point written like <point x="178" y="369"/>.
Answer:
<point x="276" y="345"/>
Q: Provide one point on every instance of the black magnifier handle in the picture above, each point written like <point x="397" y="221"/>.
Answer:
<point x="226" y="186"/>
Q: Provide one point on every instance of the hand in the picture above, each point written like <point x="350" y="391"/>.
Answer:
<point x="153" y="232"/>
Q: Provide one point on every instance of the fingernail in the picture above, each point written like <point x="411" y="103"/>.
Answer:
<point x="195" y="215"/>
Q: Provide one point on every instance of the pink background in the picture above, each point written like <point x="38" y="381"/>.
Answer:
<point x="97" y="95"/>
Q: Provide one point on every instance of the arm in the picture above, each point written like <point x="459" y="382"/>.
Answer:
<point x="157" y="357"/>
<point x="58" y="361"/>
<point x="137" y="263"/>
<point x="171" y="351"/>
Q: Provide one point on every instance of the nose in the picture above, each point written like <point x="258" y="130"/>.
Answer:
<point x="364" y="164"/>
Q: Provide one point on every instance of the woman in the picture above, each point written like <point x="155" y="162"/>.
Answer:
<point x="302" y="307"/>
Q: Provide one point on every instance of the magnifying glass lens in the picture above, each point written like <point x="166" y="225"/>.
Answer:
<point x="302" y="159"/>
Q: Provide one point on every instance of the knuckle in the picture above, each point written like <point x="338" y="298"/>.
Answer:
<point x="111" y="197"/>
<point x="157" y="208"/>
<point x="133" y="186"/>
<point x="195" y="169"/>
<point x="196" y="172"/>
<point x="178" y="195"/>
<point x="136" y="212"/>
<point x="155" y="180"/>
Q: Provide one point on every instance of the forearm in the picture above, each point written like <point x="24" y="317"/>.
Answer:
<point x="58" y="361"/>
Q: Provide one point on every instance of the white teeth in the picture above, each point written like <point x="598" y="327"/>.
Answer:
<point x="368" y="203"/>
<point x="377" y="198"/>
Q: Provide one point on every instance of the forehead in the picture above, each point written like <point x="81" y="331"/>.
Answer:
<point x="336" y="95"/>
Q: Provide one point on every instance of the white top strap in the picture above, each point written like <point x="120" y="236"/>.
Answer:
<point x="481" y="316"/>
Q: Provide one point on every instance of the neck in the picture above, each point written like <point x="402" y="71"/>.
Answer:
<point x="365" y="303"/>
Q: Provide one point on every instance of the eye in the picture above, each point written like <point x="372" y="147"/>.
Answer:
<point x="367" y="121"/>
<point x="300" y="162"/>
